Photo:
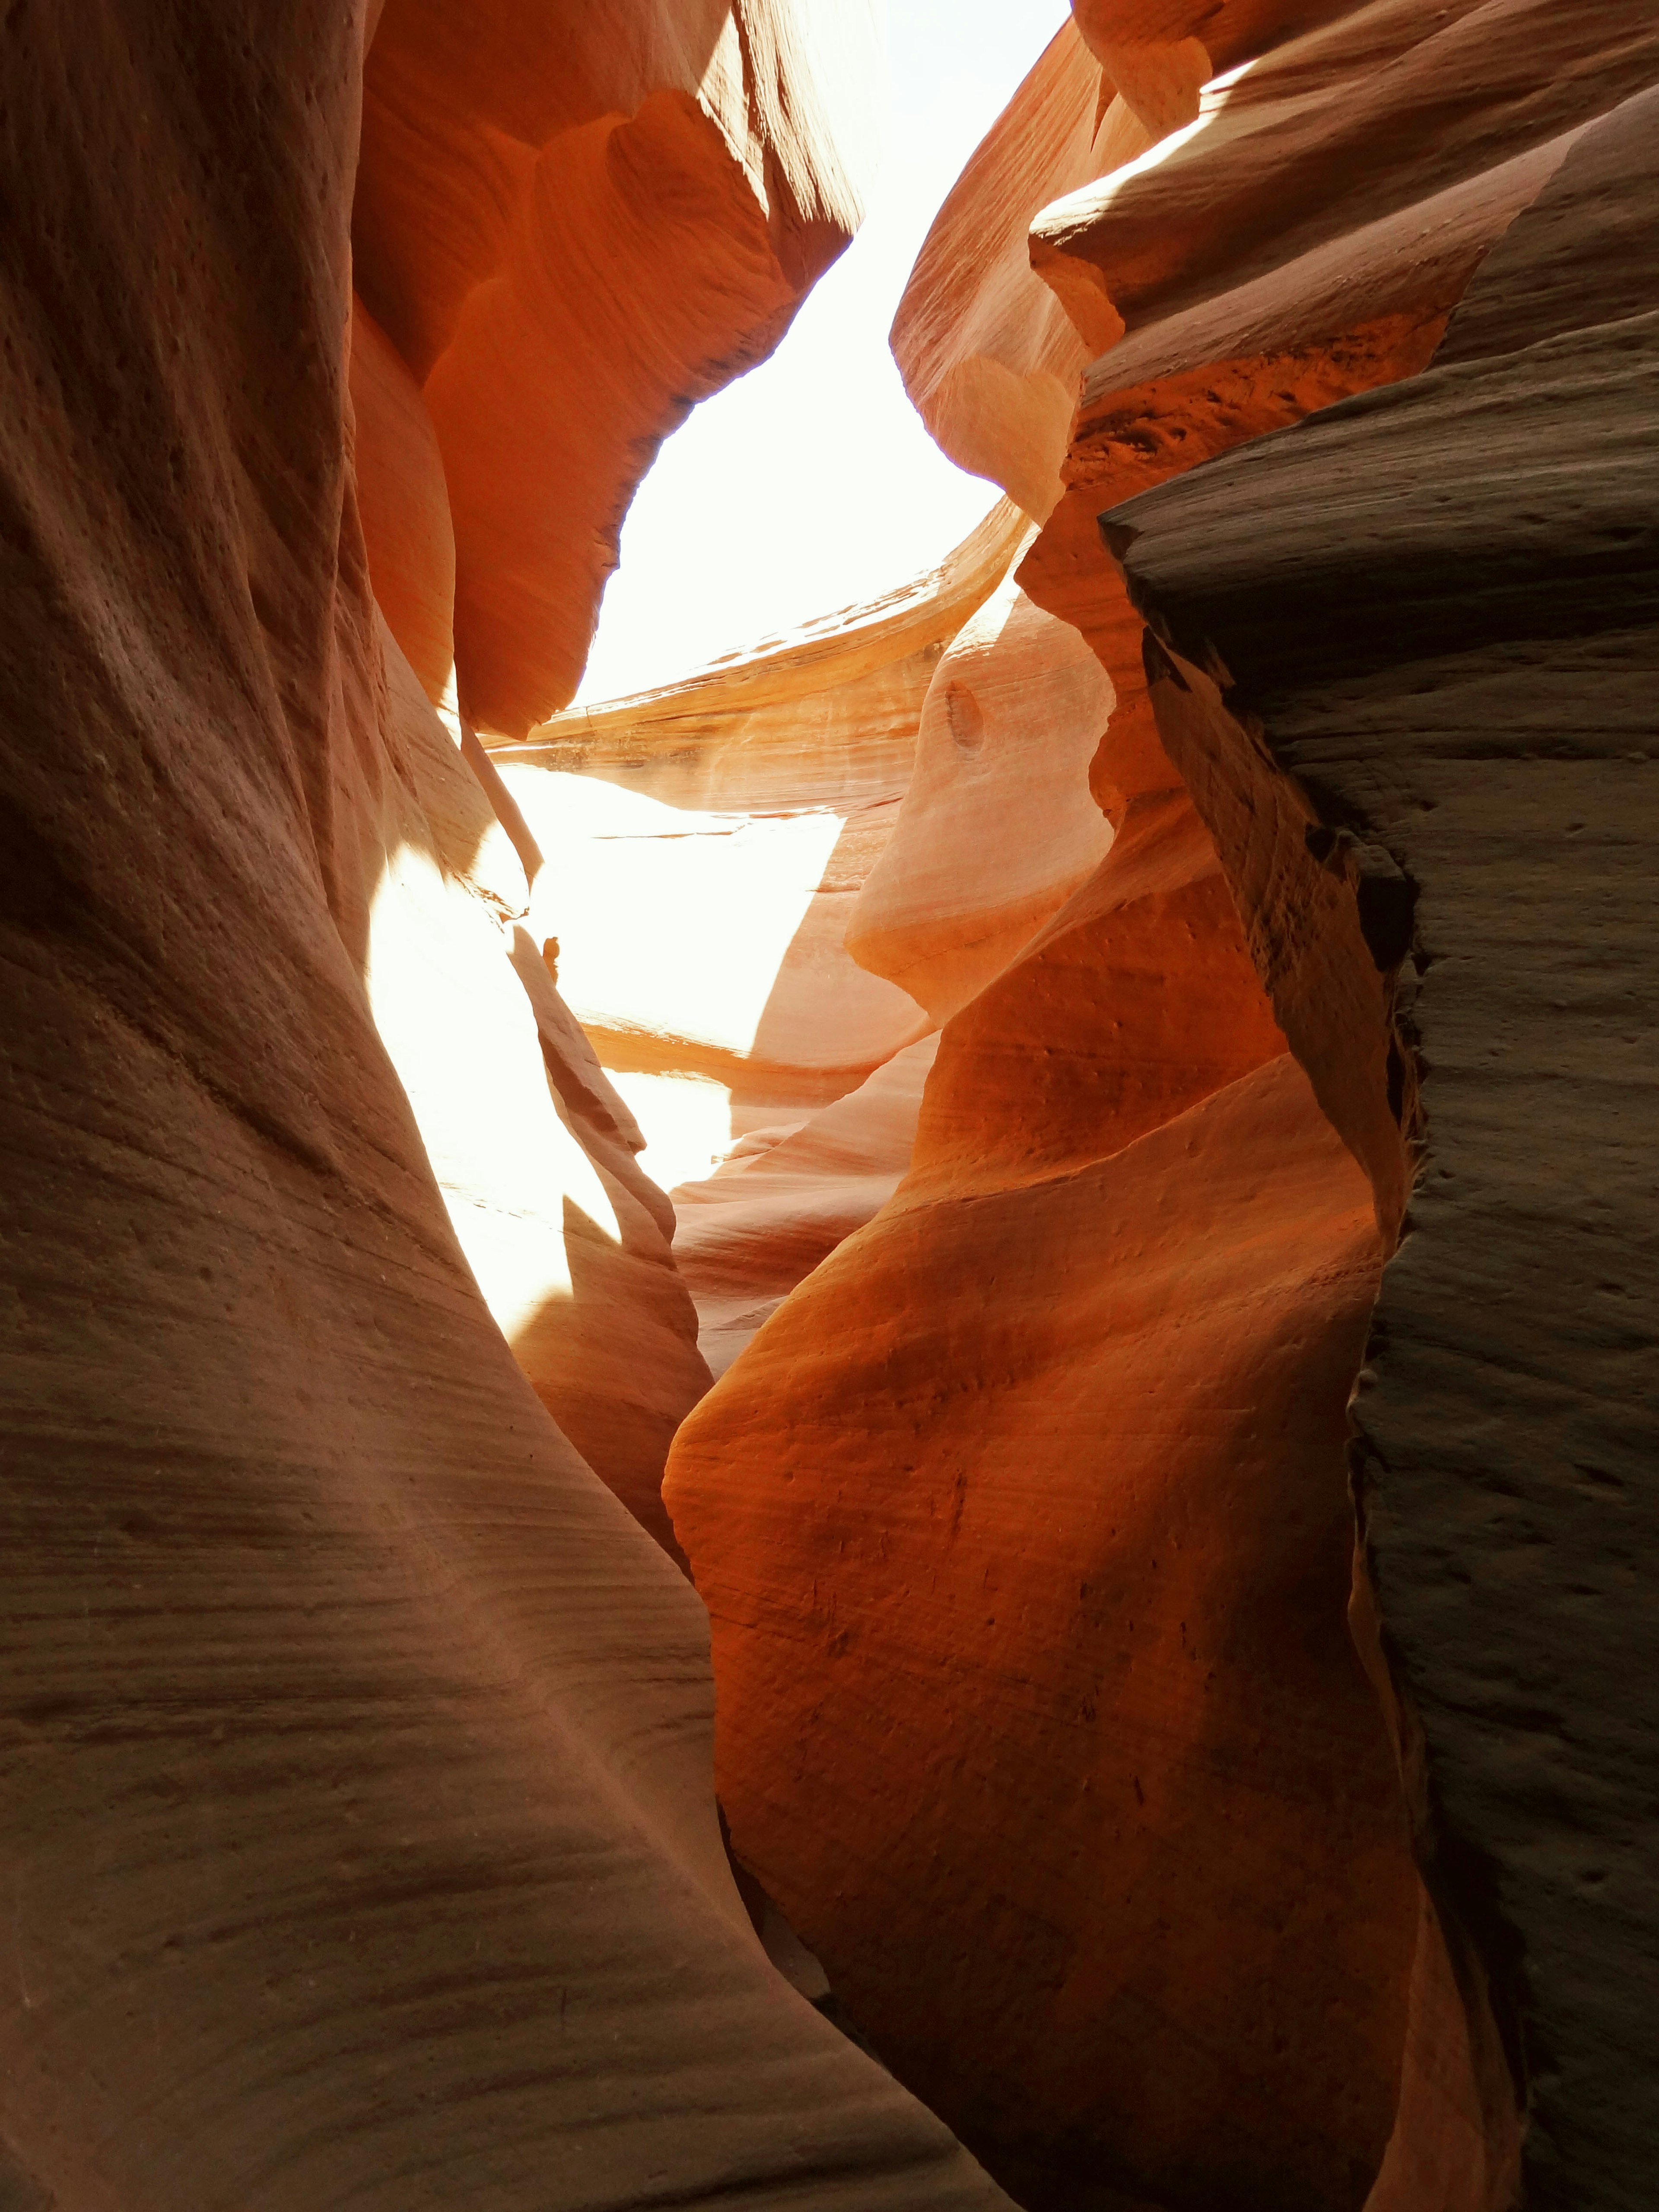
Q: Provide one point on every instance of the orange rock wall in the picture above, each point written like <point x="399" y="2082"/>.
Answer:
<point x="997" y="825"/>
<point x="968" y="1411"/>
<point x="572" y="226"/>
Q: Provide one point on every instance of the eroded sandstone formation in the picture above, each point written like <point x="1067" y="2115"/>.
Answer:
<point x="572" y="223"/>
<point x="359" y="1846"/>
<point x="1093" y="1112"/>
<point x="1001" y="1515"/>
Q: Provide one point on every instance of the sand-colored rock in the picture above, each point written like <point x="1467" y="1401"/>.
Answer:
<point x="533" y="1151"/>
<point x="706" y="846"/>
<point x="359" y="1842"/>
<point x="997" y="826"/>
<point x="987" y="354"/>
<point x="991" y="356"/>
<point x="574" y="224"/>
<point x="784" y="1198"/>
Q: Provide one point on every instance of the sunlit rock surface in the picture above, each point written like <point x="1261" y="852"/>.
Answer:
<point x="572" y="223"/>
<point x="1030" y="1500"/>
<point x="534" y="1149"/>
<point x="987" y="353"/>
<point x="784" y="1198"/>
<point x="708" y="843"/>
<point x="996" y="1727"/>
<point x="359" y="1845"/>
<point x="998" y="825"/>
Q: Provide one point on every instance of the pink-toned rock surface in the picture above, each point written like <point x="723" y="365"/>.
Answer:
<point x="784" y="1198"/>
<point x="359" y="1838"/>
<point x="987" y="354"/>
<point x="998" y="825"/>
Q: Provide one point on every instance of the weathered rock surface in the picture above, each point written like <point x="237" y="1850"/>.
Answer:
<point x="1397" y="657"/>
<point x="1452" y="697"/>
<point x="960" y="1514"/>
<point x="571" y="224"/>
<point x="359" y="1840"/>
<point x="785" y="1198"/>
<point x="997" y="826"/>
<point x="708" y="843"/>
<point x="987" y="354"/>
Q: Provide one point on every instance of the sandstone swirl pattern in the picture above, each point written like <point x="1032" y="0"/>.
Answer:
<point x="360" y="1849"/>
<point x="1022" y="1515"/>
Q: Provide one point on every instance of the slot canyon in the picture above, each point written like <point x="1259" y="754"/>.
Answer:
<point x="866" y="1431"/>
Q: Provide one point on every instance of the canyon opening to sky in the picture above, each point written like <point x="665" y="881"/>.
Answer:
<point x="829" y="1366"/>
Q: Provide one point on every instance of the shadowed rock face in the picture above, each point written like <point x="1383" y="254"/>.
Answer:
<point x="359" y="1842"/>
<point x="961" y="1506"/>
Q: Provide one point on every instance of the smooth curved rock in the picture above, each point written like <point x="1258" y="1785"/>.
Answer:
<point x="573" y="225"/>
<point x="783" y="1199"/>
<point x="708" y="843"/>
<point x="359" y="1846"/>
<point x="997" y="826"/>
<point x="988" y="356"/>
<point x="1034" y="1590"/>
<point x="862" y="1493"/>
<point x="966" y="1402"/>
<point x="404" y="501"/>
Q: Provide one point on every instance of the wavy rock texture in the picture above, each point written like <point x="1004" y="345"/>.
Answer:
<point x="997" y="827"/>
<point x="359" y="1839"/>
<point x="706" y="846"/>
<point x="1484" y="747"/>
<point x="784" y="1198"/>
<point x="571" y="224"/>
<point x="985" y="1801"/>
<point x="959" y="1517"/>
<point x="987" y="354"/>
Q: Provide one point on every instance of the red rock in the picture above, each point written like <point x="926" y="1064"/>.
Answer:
<point x="886" y="1495"/>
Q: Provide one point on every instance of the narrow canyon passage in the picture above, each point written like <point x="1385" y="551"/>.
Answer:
<point x="871" y="1428"/>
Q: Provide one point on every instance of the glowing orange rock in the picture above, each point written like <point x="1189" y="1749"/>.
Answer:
<point x="572" y="226"/>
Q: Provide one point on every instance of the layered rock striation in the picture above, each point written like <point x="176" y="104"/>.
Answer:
<point x="1019" y="1517"/>
<point x="360" y="1841"/>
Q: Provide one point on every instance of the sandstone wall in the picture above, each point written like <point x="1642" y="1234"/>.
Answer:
<point x="997" y="1725"/>
<point x="359" y="1839"/>
<point x="572" y="223"/>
